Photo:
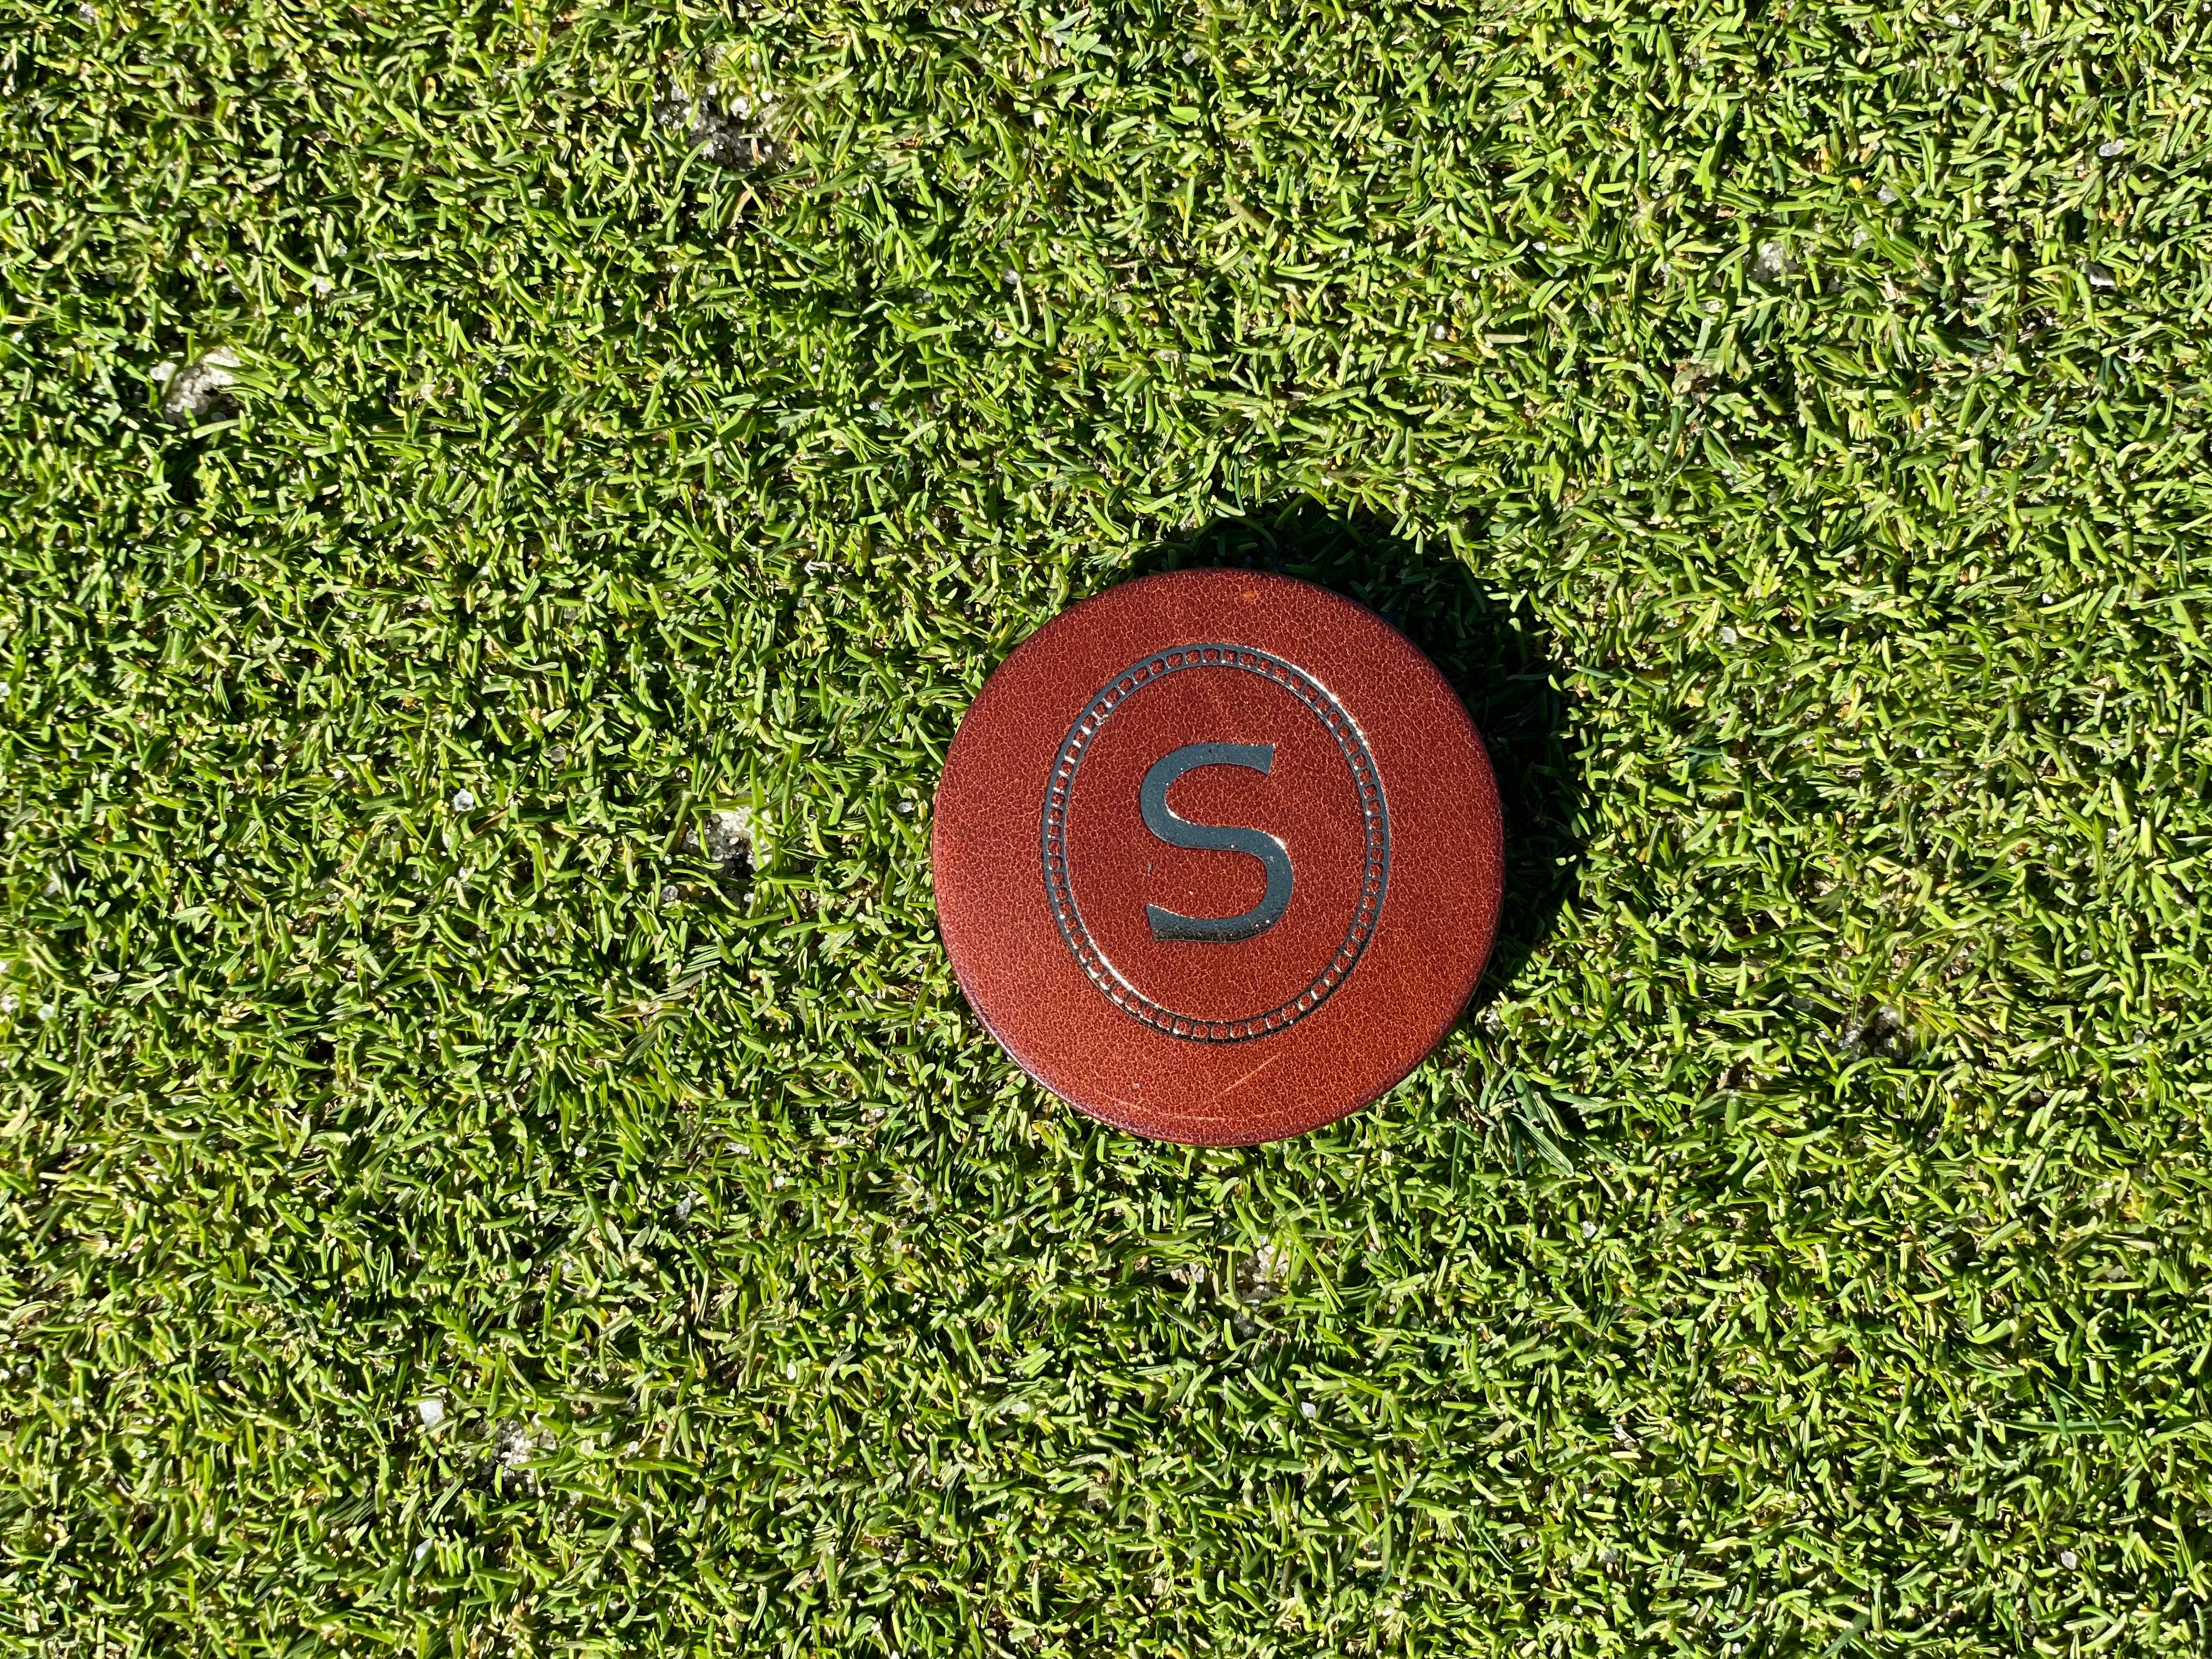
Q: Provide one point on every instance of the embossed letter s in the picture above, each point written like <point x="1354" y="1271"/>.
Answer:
<point x="1161" y="820"/>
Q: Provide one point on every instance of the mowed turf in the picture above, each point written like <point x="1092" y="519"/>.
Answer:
<point x="460" y="1201"/>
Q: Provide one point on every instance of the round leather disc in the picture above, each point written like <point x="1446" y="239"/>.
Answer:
<point x="1217" y="856"/>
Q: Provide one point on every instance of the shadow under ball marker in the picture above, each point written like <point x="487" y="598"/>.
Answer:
<point x="1217" y="856"/>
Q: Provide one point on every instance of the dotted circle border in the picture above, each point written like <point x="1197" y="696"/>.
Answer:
<point x="1365" y="778"/>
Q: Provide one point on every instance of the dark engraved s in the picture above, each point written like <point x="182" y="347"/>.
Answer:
<point x="1161" y="819"/>
<point x="1374" y="816"/>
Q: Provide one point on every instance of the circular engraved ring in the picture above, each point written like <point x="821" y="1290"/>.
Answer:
<point x="1102" y="973"/>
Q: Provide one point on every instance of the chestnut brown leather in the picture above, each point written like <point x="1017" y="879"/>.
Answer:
<point x="1294" y="917"/>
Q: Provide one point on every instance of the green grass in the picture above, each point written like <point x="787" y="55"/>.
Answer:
<point x="1788" y="425"/>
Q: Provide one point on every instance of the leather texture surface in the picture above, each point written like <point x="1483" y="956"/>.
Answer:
<point x="1118" y="965"/>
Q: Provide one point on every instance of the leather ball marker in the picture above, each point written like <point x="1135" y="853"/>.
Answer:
<point x="1217" y="856"/>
